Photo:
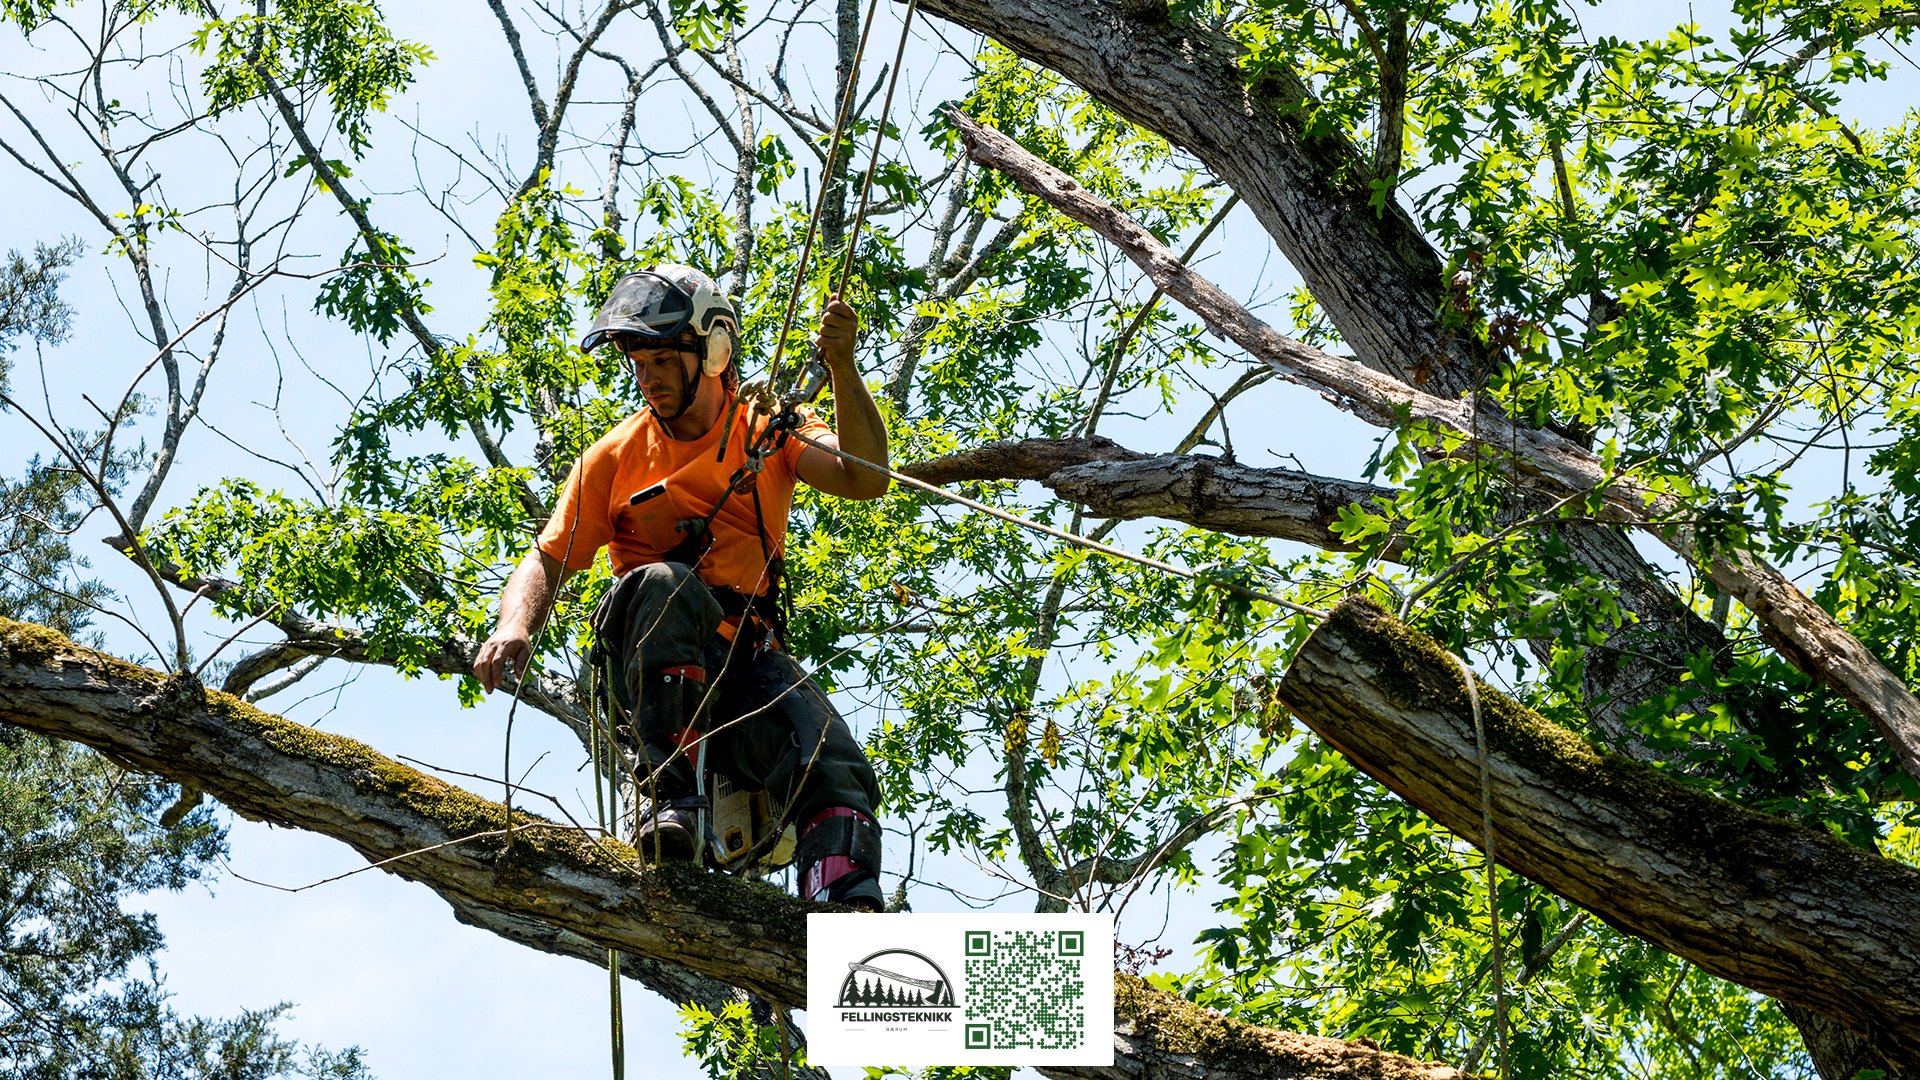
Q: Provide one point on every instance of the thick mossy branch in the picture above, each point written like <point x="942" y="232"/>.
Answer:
<point x="1181" y="1029"/>
<point x="1786" y="910"/>
<point x="26" y="641"/>
<point x="587" y="892"/>
<point x="414" y="825"/>
<point x="460" y="813"/>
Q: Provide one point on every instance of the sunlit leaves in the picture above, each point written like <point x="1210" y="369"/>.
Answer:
<point x="381" y="569"/>
<point x="703" y="22"/>
<point x="1664" y="248"/>
<point x="374" y="289"/>
<point x="338" y="46"/>
<point x="732" y="1043"/>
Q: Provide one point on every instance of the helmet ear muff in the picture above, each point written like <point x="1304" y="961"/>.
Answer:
<point x="719" y="351"/>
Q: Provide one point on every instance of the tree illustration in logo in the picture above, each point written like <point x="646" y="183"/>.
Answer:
<point x="896" y="979"/>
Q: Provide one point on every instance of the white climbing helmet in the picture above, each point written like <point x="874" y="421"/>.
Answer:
<point x="659" y="302"/>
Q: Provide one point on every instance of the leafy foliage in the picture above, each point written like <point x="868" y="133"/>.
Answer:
<point x="337" y="46"/>
<point x="78" y="993"/>
<point x="1678" y="250"/>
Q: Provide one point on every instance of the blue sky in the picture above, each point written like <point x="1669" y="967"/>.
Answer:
<point x="370" y="959"/>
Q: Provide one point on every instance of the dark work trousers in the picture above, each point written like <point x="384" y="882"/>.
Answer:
<point x="769" y="728"/>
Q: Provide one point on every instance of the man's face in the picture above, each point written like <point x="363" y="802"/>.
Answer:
<point x="666" y="371"/>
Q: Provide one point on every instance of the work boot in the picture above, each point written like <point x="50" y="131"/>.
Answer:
<point x="670" y="832"/>
<point x="668" y="721"/>
<point x="839" y="856"/>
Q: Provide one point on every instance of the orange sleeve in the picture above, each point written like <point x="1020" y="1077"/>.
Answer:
<point x="813" y="428"/>
<point x="580" y="525"/>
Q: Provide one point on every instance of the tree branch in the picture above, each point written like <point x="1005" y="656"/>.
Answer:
<point x="1800" y="630"/>
<point x="563" y="92"/>
<point x="409" y="312"/>
<point x="306" y="637"/>
<point x="512" y="33"/>
<point x="1121" y="343"/>
<point x="1795" y="914"/>
<point x="542" y="884"/>
<point x="900" y="379"/>
<point x="1111" y="481"/>
<point x="1370" y="269"/>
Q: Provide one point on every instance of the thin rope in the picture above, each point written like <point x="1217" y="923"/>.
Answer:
<point x="1074" y="539"/>
<point x="873" y="159"/>
<point x="606" y="801"/>
<point x="820" y="203"/>
<point x="1486" y="838"/>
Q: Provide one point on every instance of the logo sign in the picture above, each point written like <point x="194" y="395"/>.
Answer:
<point x="920" y="990"/>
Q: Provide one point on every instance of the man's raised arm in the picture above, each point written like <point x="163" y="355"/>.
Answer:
<point x="861" y="431"/>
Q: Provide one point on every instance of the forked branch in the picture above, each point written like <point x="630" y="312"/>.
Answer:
<point x="1802" y="631"/>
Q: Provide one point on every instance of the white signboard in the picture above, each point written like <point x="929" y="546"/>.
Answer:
<point x="918" y="990"/>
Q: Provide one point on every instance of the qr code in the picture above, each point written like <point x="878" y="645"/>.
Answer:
<point x="1026" y="989"/>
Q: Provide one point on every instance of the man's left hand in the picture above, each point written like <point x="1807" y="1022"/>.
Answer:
<point x="838" y="327"/>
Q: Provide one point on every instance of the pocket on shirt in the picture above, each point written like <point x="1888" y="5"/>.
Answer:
<point x="650" y="527"/>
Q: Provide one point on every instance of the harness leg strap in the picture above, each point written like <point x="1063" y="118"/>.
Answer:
<point x="839" y="857"/>
<point x="669" y="721"/>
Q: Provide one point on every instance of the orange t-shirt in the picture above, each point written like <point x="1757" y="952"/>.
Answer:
<point x="595" y="510"/>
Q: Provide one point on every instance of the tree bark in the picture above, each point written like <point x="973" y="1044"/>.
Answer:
<point x="1019" y="459"/>
<point x="1370" y="269"/>
<point x="1782" y="909"/>
<point x="1839" y="1054"/>
<point x="546" y="885"/>
<point x="415" y="826"/>
<point x="1112" y="481"/>
<point x="1163" y="1037"/>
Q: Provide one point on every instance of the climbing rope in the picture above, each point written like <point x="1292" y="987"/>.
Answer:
<point x="873" y="158"/>
<point x="767" y="398"/>
<point x="1486" y="849"/>
<point x="606" y="800"/>
<point x="785" y="421"/>
<point x="771" y="390"/>
<point x="811" y="389"/>
<point x="820" y="202"/>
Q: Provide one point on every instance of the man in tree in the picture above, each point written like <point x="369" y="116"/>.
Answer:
<point x="690" y="498"/>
